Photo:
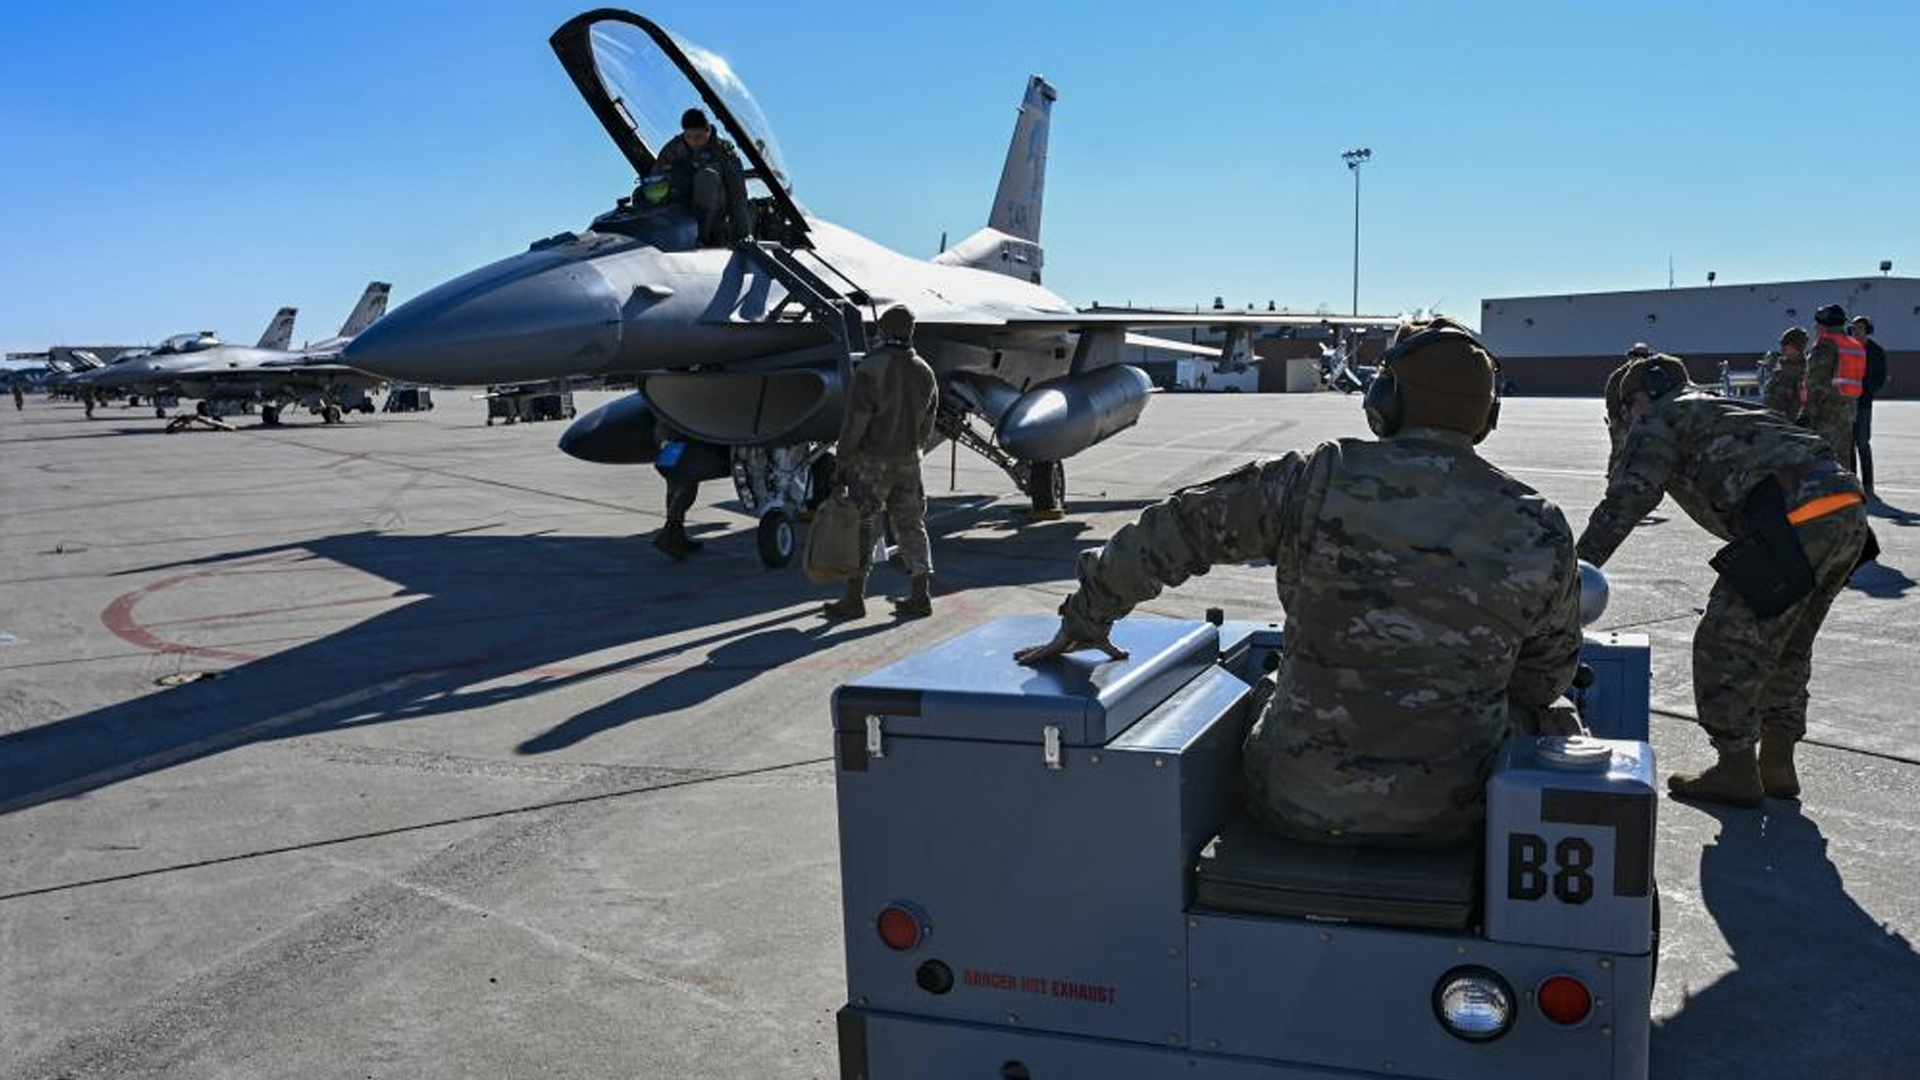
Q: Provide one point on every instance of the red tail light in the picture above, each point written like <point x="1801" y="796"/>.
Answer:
<point x="1564" y="1000"/>
<point x="899" y="927"/>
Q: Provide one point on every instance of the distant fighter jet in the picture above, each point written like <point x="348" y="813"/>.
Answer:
<point x="271" y="374"/>
<point x="749" y="346"/>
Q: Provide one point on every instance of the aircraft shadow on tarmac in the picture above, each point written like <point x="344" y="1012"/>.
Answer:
<point x="484" y="619"/>
<point x="1821" y="988"/>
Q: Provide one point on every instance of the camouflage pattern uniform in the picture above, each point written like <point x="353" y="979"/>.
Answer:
<point x="1782" y="392"/>
<point x="1616" y="416"/>
<point x="1432" y="606"/>
<point x="711" y="182"/>
<point x="889" y="417"/>
<point x="1828" y="411"/>
<point x="1709" y="453"/>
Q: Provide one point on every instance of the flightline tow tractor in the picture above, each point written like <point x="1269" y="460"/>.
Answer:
<point x="1046" y="874"/>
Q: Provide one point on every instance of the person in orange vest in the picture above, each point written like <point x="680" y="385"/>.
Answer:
<point x="1836" y="375"/>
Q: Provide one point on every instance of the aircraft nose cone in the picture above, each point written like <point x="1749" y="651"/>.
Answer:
<point x="538" y="315"/>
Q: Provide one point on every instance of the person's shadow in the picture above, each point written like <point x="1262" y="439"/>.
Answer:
<point x="1880" y="581"/>
<point x="1895" y="515"/>
<point x="1821" y="988"/>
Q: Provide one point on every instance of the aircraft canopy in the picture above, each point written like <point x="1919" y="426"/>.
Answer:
<point x="639" y="79"/>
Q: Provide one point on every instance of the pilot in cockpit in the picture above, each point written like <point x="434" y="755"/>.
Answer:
<point x="702" y="172"/>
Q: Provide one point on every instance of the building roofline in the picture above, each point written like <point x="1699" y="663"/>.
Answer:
<point x="1716" y="287"/>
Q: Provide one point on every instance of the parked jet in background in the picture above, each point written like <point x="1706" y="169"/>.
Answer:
<point x="749" y="346"/>
<point x="270" y="374"/>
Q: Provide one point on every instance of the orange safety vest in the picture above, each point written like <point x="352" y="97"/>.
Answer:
<point x="1850" y="377"/>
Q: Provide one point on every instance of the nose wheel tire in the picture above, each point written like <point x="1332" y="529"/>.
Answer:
<point x="775" y="538"/>
<point x="331" y="414"/>
<point x="1047" y="487"/>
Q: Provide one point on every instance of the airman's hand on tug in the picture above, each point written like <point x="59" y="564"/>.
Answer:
<point x="1063" y="644"/>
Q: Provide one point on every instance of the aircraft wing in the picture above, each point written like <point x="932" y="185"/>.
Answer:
<point x="1153" y="320"/>
<point x="1148" y="341"/>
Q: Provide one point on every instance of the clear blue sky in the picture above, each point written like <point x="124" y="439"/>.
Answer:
<point x="180" y="166"/>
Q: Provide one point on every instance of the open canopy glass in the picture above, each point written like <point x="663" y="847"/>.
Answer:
<point x="639" y="79"/>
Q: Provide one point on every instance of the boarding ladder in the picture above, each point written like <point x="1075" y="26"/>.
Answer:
<point x="952" y="423"/>
<point x="815" y="296"/>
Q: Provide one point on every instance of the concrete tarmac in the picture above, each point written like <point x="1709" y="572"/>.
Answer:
<point x="393" y="749"/>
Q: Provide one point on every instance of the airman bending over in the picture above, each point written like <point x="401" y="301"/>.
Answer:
<point x="1796" y="528"/>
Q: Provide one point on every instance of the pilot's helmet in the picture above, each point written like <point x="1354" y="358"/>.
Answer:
<point x="653" y="189"/>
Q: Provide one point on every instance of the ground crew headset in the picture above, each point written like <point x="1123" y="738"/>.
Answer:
<point x="1386" y="409"/>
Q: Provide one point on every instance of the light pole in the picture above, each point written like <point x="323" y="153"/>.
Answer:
<point x="1355" y="159"/>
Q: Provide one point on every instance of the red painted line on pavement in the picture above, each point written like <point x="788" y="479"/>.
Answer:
<point x="236" y="615"/>
<point x="119" y="618"/>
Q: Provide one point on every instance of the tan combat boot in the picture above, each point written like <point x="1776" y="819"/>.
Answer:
<point x="851" y="605"/>
<point x="1732" y="781"/>
<point x="1776" y="765"/>
<point x="920" y="604"/>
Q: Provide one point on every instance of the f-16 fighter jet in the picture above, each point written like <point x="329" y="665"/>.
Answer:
<point x="748" y="341"/>
<point x="270" y="374"/>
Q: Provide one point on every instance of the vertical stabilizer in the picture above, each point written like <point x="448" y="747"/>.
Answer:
<point x="1016" y="206"/>
<point x="372" y="305"/>
<point x="279" y="335"/>
<point x="1010" y="244"/>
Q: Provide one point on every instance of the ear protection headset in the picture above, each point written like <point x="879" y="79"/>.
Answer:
<point x="1386" y="411"/>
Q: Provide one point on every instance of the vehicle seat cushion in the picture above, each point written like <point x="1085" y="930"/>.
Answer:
<point x="1248" y="868"/>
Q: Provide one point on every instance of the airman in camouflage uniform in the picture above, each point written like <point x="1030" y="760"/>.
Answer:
<point x="1828" y="411"/>
<point x="1750" y="673"/>
<point x="888" y="418"/>
<point x="1616" y="408"/>
<point x="1789" y="375"/>
<point x="704" y="174"/>
<point x="1432" y="606"/>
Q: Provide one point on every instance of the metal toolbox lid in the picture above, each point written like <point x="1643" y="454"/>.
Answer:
<point x="969" y="687"/>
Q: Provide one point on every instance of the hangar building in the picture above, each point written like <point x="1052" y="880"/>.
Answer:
<point x="1566" y="344"/>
